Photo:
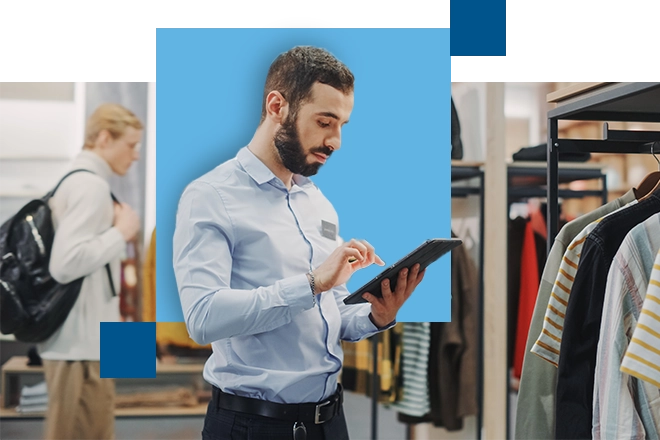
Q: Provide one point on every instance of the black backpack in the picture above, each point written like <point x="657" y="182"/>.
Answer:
<point x="32" y="304"/>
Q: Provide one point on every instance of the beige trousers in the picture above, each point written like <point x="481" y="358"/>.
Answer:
<point x="80" y="404"/>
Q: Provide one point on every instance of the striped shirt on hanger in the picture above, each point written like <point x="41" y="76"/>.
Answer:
<point x="548" y="344"/>
<point x="416" y="346"/>
<point x="642" y="359"/>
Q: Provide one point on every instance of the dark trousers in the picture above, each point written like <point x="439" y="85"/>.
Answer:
<point x="221" y="424"/>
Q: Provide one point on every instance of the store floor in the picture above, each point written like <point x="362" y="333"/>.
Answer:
<point x="356" y="407"/>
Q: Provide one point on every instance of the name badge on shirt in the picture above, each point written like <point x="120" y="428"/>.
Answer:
<point x="328" y="230"/>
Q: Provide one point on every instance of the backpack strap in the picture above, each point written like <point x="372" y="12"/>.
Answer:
<point x="112" y="286"/>
<point x="114" y="199"/>
<point x="52" y="192"/>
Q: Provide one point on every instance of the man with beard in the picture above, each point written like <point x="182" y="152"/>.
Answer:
<point x="261" y="269"/>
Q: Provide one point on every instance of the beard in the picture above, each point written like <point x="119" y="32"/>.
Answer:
<point x="291" y="152"/>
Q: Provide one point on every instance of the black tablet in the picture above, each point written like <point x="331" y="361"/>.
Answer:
<point x="425" y="254"/>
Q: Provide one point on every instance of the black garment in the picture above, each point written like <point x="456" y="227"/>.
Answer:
<point x="433" y="374"/>
<point x="541" y="252"/>
<point x="222" y="424"/>
<point x="514" y="255"/>
<point x="456" y="143"/>
<point x="540" y="153"/>
<point x="579" y="344"/>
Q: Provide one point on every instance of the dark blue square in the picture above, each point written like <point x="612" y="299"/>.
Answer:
<point x="477" y="27"/>
<point x="128" y="349"/>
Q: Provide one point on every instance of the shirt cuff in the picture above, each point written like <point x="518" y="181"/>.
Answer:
<point x="114" y="242"/>
<point x="297" y="293"/>
<point x="380" y="329"/>
<point x="368" y="328"/>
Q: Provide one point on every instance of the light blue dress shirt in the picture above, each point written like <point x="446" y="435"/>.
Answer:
<point x="243" y="244"/>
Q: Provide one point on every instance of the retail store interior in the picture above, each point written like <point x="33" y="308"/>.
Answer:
<point x="457" y="380"/>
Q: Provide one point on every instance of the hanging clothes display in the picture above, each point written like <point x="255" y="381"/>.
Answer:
<point x="642" y="358"/>
<point x="452" y="358"/>
<point x="548" y="343"/>
<point x="457" y="354"/>
<point x="596" y="311"/>
<point x="526" y="258"/>
<point x="415" y="400"/>
<point x="529" y="282"/>
<point x="624" y="406"/>
<point x="535" y="413"/>
<point x="573" y="406"/>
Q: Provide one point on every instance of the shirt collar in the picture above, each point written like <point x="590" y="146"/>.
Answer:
<point x="91" y="161"/>
<point x="261" y="174"/>
<point x="302" y="181"/>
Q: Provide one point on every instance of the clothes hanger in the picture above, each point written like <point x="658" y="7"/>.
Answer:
<point x="651" y="182"/>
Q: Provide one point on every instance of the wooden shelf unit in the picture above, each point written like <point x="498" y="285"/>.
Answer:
<point x="17" y="366"/>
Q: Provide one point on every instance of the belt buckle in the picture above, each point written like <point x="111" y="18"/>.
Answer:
<point x="317" y="412"/>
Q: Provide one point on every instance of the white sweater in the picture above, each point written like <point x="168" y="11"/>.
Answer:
<point x="85" y="241"/>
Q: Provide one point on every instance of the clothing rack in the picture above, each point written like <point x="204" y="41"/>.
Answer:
<point x="525" y="180"/>
<point x="528" y="180"/>
<point x="461" y="172"/>
<point x="616" y="102"/>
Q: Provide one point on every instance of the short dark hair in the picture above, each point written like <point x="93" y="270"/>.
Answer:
<point x="293" y="73"/>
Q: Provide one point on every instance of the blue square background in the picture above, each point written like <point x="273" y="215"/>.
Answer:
<point x="128" y="349"/>
<point x="478" y="27"/>
<point x="390" y="182"/>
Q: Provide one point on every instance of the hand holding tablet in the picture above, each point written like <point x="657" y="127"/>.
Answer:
<point x="391" y="288"/>
<point x="427" y="253"/>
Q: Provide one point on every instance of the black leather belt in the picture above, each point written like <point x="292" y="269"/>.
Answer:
<point x="303" y="412"/>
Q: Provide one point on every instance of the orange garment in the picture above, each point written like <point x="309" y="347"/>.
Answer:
<point x="171" y="333"/>
<point x="529" y="284"/>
